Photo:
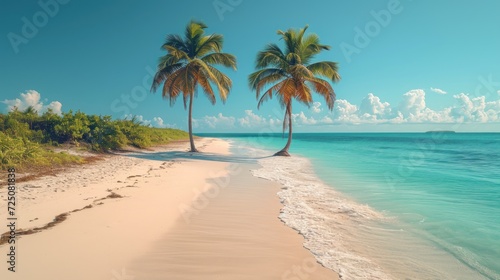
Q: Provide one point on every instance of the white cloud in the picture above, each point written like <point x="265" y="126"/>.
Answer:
<point x="492" y="109"/>
<point x="55" y="106"/>
<point x="413" y="104"/>
<point x="155" y="122"/>
<point x="438" y="91"/>
<point x="399" y="118"/>
<point x="316" y="107"/>
<point x="219" y="121"/>
<point x="301" y="118"/>
<point x="474" y="109"/>
<point x="498" y="92"/>
<point x="413" y="109"/>
<point x="158" y="122"/>
<point x="138" y="118"/>
<point x="326" y="120"/>
<point x="274" y="122"/>
<point x="372" y="107"/>
<point x="32" y="98"/>
<point x="252" y="120"/>
<point x="345" y="112"/>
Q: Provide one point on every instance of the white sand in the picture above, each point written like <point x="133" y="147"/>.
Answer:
<point x="128" y="237"/>
<point x="235" y="235"/>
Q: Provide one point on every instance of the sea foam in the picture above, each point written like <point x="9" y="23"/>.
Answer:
<point x="322" y="215"/>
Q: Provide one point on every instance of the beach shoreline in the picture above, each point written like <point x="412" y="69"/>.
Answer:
<point x="119" y="209"/>
<point x="344" y="232"/>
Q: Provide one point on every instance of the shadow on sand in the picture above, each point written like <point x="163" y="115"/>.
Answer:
<point x="177" y="155"/>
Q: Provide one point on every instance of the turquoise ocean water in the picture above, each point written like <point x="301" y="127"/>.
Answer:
<point x="438" y="193"/>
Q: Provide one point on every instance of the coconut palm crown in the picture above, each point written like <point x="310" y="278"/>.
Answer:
<point x="290" y="74"/>
<point x="189" y="63"/>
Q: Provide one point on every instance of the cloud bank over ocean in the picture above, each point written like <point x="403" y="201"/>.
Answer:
<point x="412" y="109"/>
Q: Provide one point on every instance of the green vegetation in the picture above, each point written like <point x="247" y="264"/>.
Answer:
<point x="28" y="139"/>
<point x="189" y="62"/>
<point x="291" y="75"/>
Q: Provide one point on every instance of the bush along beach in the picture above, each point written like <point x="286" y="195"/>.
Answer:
<point x="31" y="139"/>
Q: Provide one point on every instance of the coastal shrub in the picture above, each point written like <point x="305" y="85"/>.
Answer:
<point x="46" y="124"/>
<point x="27" y="138"/>
<point x="12" y="125"/>
<point x="104" y="134"/>
<point x="72" y="127"/>
<point x="20" y="153"/>
<point x="51" y="158"/>
<point x="140" y="137"/>
<point x="160" y="136"/>
<point x="14" y="150"/>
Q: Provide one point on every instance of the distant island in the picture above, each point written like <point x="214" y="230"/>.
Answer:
<point x="440" y="131"/>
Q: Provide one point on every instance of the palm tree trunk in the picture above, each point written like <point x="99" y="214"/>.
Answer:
<point x="190" y="126"/>
<point x="284" y="151"/>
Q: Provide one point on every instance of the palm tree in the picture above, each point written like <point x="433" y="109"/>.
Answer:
<point x="290" y="74"/>
<point x="189" y="63"/>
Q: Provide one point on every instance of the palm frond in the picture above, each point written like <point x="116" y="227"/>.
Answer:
<point x="287" y="91"/>
<point x="303" y="93"/>
<point x="270" y="78"/>
<point x="310" y="47"/>
<point x="327" y="69"/>
<point x="207" y="44"/>
<point x="324" y="89"/>
<point x="204" y="83"/>
<point x="175" y="41"/>
<point x="223" y="59"/>
<point x="272" y="55"/>
<point x="300" y="34"/>
<point x="163" y="73"/>
<point x="166" y="60"/>
<point x="171" y="87"/>
<point x="224" y="81"/>
<point x="300" y="71"/>
<point x="176" y="53"/>
<point x="268" y="94"/>
<point x="262" y="78"/>
<point x="221" y="81"/>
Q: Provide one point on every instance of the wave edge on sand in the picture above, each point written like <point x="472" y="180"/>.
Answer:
<point x="321" y="215"/>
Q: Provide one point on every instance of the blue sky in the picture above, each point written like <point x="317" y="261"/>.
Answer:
<point x="405" y="65"/>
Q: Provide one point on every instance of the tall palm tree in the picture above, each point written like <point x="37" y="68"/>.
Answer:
<point x="189" y="63"/>
<point x="290" y="74"/>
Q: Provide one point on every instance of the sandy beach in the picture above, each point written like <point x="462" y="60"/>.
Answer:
<point x="158" y="214"/>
